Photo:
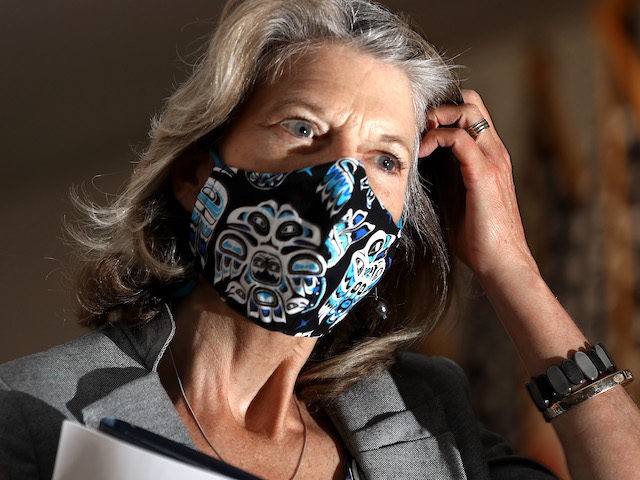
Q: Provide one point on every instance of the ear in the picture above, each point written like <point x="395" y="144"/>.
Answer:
<point x="188" y="174"/>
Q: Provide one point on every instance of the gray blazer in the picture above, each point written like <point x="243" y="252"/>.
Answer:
<point x="413" y="421"/>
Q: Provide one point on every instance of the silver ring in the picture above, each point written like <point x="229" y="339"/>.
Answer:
<point x="477" y="128"/>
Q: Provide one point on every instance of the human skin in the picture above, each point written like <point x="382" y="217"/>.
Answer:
<point x="238" y="376"/>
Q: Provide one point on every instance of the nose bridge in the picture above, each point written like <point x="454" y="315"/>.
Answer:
<point x="347" y="142"/>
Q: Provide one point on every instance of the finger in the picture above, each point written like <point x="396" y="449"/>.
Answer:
<point x="465" y="149"/>
<point x="462" y="116"/>
<point x="474" y="158"/>
<point x="473" y="98"/>
<point x="465" y="116"/>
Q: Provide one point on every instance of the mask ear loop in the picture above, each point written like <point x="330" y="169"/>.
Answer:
<point x="215" y="156"/>
<point x="218" y="162"/>
<point x="381" y="307"/>
<point x="209" y="143"/>
<point x="184" y="290"/>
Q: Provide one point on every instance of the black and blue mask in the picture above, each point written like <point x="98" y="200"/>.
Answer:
<point x="294" y="251"/>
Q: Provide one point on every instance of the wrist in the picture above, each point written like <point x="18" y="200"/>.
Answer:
<point x="507" y="269"/>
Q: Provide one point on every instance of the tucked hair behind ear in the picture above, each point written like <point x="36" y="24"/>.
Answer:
<point x="132" y="250"/>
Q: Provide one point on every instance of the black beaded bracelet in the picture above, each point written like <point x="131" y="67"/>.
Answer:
<point x="571" y="375"/>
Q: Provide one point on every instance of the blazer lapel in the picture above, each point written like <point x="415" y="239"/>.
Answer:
<point x="394" y="432"/>
<point x="142" y="402"/>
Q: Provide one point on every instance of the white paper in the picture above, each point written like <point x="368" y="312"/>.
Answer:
<point x="85" y="453"/>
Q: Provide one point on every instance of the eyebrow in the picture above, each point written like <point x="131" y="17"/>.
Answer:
<point x="389" y="138"/>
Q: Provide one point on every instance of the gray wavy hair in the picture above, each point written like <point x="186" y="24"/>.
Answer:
<point x="133" y="250"/>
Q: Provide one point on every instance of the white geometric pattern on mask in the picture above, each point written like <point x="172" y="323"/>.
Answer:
<point x="271" y="283"/>
<point x="365" y="270"/>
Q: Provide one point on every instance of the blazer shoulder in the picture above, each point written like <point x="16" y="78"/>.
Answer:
<point x="422" y="361"/>
<point x="58" y="364"/>
<point x="435" y="371"/>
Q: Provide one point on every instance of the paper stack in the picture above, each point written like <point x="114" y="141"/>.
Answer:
<point x="85" y="453"/>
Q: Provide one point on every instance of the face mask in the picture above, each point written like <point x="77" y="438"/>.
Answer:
<point x="295" y="251"/>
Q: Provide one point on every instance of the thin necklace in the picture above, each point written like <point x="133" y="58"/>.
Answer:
<point x="204" y="435"/>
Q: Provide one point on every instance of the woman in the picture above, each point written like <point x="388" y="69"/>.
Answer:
<point x="234" y="285"/>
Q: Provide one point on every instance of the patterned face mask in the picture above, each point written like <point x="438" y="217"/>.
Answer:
<point x="294" y="251"/>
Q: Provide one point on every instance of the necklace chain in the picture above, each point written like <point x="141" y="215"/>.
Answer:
<point x="210" y="443"/>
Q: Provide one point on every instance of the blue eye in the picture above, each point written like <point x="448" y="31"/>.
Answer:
<point x="299" y="128"/>
<point x="388" y="163"/>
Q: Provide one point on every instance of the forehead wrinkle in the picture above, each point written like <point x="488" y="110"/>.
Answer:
<point x="384" y="131"/>
<point x="343" y="106"/>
